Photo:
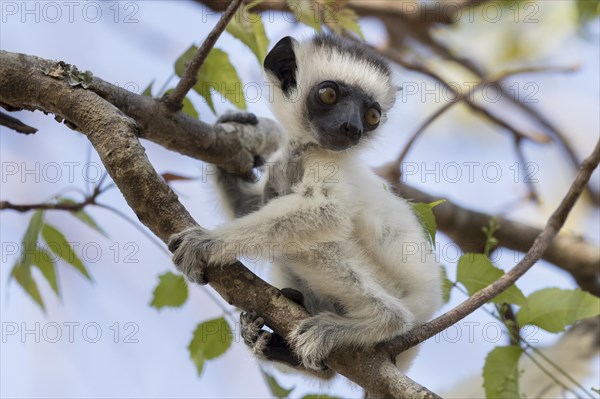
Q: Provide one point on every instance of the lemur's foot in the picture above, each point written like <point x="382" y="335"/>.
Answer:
<point x="264" y="344"/>
<point x="313" y="340"/>
<point x="246" y="118"/>
<point x="194" y="250"/>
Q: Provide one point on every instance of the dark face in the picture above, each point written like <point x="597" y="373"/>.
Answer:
<point x="341" y="114"/>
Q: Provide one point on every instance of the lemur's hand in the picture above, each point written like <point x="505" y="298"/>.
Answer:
<point x="194" y="250"/>
<point x="246" y="118"/>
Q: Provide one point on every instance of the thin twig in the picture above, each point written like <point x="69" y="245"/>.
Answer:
<point x="139" y="228"/>
<point x="541" y="119"/>
<point x="461" y="97"/>
<point x="540" y="245"/>
<point x="559" y="369"/>
<point x="58" y="206"/>
<point x="535" y="69"/>
<point x="522" y="160"/>
<point x="420" y="131"/>
<point x="397" y="57"/>
<point x="525" y="343"/>
<point x="528" y="346"/>
<point x="15" y="124"/>
<point x="174" y="100"/>
<point x="551" y="376"/>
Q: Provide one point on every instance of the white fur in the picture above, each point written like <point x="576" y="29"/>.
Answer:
<point x="335" y="233"/>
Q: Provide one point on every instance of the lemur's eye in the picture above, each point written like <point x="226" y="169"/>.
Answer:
<point x="373" y="116"/>
<point x="328" y="95"/>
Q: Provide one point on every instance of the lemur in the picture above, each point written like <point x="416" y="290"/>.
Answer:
<point x="354" y="267"/>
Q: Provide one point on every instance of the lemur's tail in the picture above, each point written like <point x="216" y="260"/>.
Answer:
<point x="572" y="353"/>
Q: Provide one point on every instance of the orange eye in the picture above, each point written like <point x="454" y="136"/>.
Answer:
<point x="328" y="95"/>
<point x="373" y="116"/>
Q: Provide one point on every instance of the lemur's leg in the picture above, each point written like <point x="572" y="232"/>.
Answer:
<point x="369" y="315"/>
<point x="270" y="346"/>
<point x="241" y="196"/>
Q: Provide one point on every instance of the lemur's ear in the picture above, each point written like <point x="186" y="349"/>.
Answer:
<point x="281" y="62"/>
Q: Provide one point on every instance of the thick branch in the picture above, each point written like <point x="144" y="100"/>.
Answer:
<point x="403" y="11"/>
<point x="114" y="136"/>
<point x="188" y="136"/>
<point x="540" y="245"/>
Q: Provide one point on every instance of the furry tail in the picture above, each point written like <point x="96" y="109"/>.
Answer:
<point x="573" y="353"/>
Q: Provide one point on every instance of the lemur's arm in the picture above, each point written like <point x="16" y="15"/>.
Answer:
<point x="242" y="194"/>
<point x="304" y="217"/>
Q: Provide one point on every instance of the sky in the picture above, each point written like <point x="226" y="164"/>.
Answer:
<point x="102" y="339"/>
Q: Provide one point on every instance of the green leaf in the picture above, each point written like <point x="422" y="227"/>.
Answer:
<point x="553" y="308"/>
<point x="318" y="396"/>
<point x="22" y="275"/>
<point x="21" y="271"/>
<point x="501" y="373"/>
<point x="217" y="74"/>
<point x="595" y="390"/>
<point x="211" y="339"/>
<point x="427" y="218"/>
<point x="43" y="261"/>
<point x="277" y="390"/>
<point x="476" y="271"/>
<point x="87" y="219"/>
<point x="446" y="285"/>
<point x="60" y="246"/>
<point x="83" y="216"/>
<point x="30" y="239"/>
<point x="342" y="20"/>
<point x="171" y="291"/>
<point x="306" y="12"/>
<point x="148" y="90"/>
<point x="490" y="241"/>
<point x="250" y="30"/>
<point x="587" y="10"/>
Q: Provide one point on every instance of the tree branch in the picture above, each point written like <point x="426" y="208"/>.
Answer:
<point x="15" y="124"/>
<point x="397" y="57"/>
<point x="403" y="11"/>
<point x="174" y="100"/>
<point x="220" y="145"/>
<point x="540" y="245"/>
<point x="572" y="254"/>
<point x="536" y="115"/>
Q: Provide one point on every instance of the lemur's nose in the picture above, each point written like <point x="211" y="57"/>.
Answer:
<point x="352" y="131"/>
